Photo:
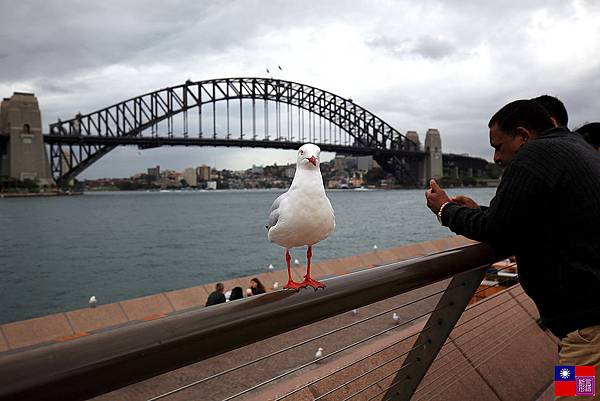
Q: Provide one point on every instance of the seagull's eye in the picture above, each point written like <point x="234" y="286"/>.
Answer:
<point x="301" y="152"/>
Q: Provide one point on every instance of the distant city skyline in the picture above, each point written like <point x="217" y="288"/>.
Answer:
<point x="119" y="161"/>
<point x="415" y="64"/>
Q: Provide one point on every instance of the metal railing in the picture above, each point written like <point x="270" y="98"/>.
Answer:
<point x="86" y="367"/>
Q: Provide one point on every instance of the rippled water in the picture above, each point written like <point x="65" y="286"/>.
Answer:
<point x="57" y="252"/>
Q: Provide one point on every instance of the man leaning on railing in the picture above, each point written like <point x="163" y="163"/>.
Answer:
<point x="546" y="211"/>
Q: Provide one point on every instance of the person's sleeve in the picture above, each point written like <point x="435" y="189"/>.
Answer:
<point x="517" y="198"/>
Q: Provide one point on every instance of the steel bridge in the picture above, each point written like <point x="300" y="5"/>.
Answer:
<point x="245" y="112"/>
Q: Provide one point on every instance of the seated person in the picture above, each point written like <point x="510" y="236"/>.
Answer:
<point x="256" y="287"/>
<point x="236" y="293"/>
<point x="217" y="296"/>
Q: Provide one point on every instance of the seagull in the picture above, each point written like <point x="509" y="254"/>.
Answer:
<point x="355" y="311"/>
<point x="303" y="215"/>
<point x="296" y="262"/>
<point x="375" y="247"/>
<point x="275" y="285"/>
<point x="396" y="318"/>
<point x="93" y="301"/>
<point x="271" y="267"/>
<point x="319" y="353"/>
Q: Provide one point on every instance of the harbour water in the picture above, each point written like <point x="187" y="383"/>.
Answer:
<point x="56" y="252"/>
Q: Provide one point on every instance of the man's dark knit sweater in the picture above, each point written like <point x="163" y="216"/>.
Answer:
<point x="547" y="213"/>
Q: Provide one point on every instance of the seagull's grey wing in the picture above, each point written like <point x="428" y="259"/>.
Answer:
<point x="274" y="212"/>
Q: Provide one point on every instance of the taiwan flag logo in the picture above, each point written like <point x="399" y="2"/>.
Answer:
<point x="574" y="381"/>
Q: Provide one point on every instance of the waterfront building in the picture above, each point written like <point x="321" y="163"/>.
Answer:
<point x="203" y="173"/>
<point x="190" y="177"/>
<point x="154" y="173"/>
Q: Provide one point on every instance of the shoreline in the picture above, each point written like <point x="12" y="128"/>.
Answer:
<point x="36" y="194"/>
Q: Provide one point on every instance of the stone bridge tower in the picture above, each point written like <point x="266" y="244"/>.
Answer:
<point x="434" y="167"/>
<point x="24" y="155"/>
<point x="431" y="166"/>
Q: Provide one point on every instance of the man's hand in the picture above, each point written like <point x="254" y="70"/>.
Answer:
<point x="462" y="200"/>
<point x="435" y="196"/>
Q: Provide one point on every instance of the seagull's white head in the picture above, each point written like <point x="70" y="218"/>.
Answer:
<point x="308" y="156"/>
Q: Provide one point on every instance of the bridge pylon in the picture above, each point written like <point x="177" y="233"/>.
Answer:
<point x="22" y="151"/>
<point x="434" y="167"/>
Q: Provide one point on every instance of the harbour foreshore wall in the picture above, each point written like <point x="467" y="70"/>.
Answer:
<point x="69" y="325"/>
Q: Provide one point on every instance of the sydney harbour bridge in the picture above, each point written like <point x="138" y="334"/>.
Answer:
<point x="240" y="112"/>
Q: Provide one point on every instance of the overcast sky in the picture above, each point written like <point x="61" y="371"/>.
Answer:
<point x="416" y="64"/>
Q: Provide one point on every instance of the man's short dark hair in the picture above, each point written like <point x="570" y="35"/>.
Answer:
<point x="591" y="133"/>
<point x="219" y="287"/>
<point x="555" y="108"/>
<point x="521" y="113"/>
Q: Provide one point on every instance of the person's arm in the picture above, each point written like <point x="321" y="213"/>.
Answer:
<point x="463" y="200"/>
<point x="519" y="195"/>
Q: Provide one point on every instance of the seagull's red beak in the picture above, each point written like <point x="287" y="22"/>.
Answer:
<point x="313" y="160"/>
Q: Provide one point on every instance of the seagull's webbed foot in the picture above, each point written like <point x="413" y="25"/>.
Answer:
<point x="293" y="285"/>
<point x="309" y="281"/>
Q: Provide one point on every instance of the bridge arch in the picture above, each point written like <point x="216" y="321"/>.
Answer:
<point x="77" y="143"/>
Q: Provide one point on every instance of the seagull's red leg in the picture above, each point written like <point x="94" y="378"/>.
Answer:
<point x="291" y="283"/>
<point x="308" y="280"/>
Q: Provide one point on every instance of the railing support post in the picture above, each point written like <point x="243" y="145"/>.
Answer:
<point x="441" y="322"/>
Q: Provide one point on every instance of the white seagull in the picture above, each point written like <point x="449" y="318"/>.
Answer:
<point x="396" y="318"/>
<point x="319" y="353"/>
<point x="93" y="301"/>
<point x="303" y="215"/>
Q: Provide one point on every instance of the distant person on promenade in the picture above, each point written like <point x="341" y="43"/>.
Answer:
<point x="546" y="212"/>
<point x="591" y="133"/>
<point x="217" y="296"/>
<point x="256" y="287"/>
<point x="236" y="293"/>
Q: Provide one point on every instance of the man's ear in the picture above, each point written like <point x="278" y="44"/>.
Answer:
<point x="524" y="134"/>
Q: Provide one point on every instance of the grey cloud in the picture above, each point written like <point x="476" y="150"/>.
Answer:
<point x="433" y="48"/>
<point x="43" y="86"/>
<point x="425" y="46"/>
<point x="87" y="36"/>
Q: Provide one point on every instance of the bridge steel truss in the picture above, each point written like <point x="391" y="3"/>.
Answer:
<point x="77" y="143"/>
